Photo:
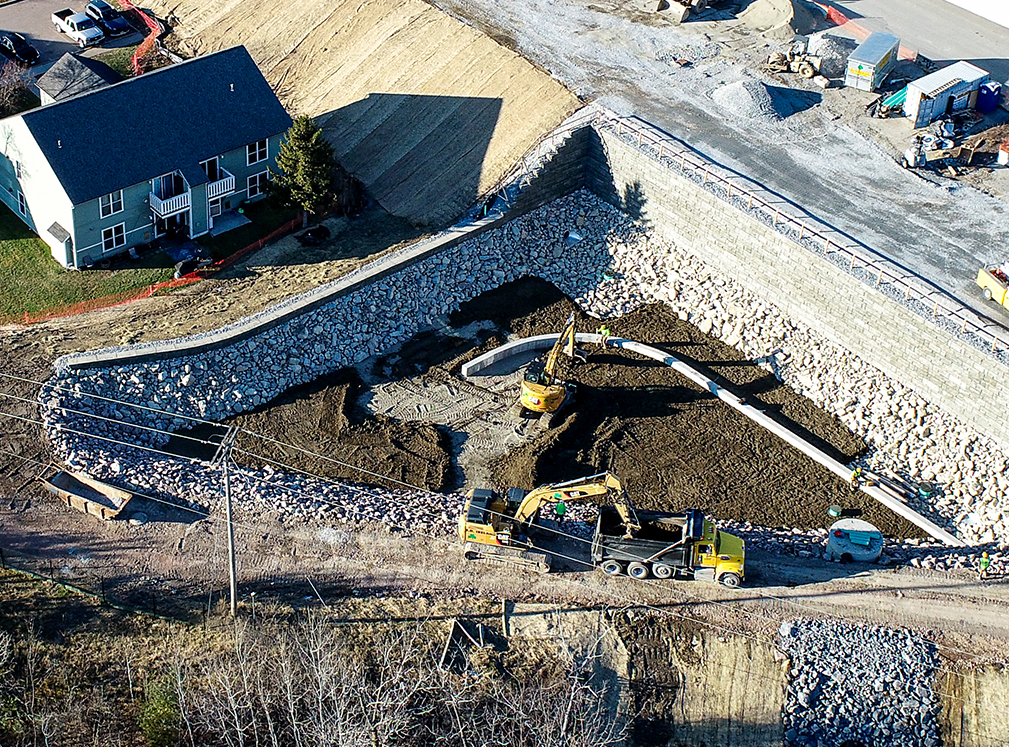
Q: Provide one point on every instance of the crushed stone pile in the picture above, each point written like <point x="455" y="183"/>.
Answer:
<point x="858" y="684"/>
<point x="755" y="100"/>
<point x="833" y="51"/>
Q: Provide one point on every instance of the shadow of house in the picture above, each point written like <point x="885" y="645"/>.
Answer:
<point x="420" y="157"/>
<point x="72" y="75"/>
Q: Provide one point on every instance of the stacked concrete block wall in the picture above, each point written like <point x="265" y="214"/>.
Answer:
<point x="965" y="381"/>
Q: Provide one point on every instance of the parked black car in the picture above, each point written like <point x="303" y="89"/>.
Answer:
<point x="16" y="47"/>
<point x="108" y="18"/>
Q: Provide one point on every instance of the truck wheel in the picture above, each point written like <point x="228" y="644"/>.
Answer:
<point x="81" y="43"/>
<point x="729" y="579"/>
<point x="612" y="568"/>
<point x="637" y="570"/>
<point x="661" y="570"/>
<point x="987" y="294"/>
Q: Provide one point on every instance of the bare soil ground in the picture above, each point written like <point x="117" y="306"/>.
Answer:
<point x="426" y="111"/>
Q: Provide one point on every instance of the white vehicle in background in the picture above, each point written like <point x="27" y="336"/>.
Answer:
<point x="77" y="26"/>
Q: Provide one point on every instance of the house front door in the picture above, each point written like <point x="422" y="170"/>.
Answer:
<point x="175" y="226"/>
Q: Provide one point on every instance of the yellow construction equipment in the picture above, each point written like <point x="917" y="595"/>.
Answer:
<point x="994" y="283"/>
<point x="496" y="527"/>
<point x="542" y="391"/>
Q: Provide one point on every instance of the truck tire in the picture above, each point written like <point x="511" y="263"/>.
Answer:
<point x="729" y="579"/>
<point x="662" y="570"/>
<point x="637" y="570"/>
<point x="81" y="43"/>
<point x="612" y="568"/>
<point x="987" y="294"/>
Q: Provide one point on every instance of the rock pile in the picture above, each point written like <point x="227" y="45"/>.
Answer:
<point x="864" y="684"/>
<point x="617" y="266"/>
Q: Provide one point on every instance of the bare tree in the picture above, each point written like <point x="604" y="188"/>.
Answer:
<point x="315" y="684"/>
<point x="14" y="88"/>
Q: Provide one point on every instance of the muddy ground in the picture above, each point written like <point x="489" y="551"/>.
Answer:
<point x="672" y="444"/>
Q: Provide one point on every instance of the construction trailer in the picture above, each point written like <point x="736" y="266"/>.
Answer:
<point x="952" y="89"/>
<point x="871" y="61"/>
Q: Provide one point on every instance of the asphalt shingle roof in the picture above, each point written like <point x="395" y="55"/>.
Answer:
<point x="73" y="75"/>
<point x="166" y="120"/>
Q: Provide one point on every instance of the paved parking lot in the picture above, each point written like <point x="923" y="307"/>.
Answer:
<point x="31" y="18"/>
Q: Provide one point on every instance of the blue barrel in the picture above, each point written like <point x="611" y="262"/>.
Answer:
<point x="987" y="97"/>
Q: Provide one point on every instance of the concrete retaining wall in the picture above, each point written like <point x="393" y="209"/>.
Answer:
<point x="944" y="370"/>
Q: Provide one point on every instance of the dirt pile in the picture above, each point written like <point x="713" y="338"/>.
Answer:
<point x="672" y="444"/>
<point x="426" y="111"/>
<point x="321" y="417"/>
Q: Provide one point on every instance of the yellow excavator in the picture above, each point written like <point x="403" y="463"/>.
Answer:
<point x="496" y="527"/>
<point x="542" y="391"/>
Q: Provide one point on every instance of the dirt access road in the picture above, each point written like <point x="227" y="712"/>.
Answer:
<point x="816" y="158"/>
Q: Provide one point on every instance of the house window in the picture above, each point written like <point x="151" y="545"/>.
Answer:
<point x="17" y="168"/>
<point x="255" y="152"/>
<point x="112" y="203"/>
<point x="211" y="169"/>
<point x="215" y="207"/>
<point x="257" y="184"/>
<point x="113" y="238"/>
<point x="22" y="205"/>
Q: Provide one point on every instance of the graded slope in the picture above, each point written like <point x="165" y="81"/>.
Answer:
<point x="426" y="111"/>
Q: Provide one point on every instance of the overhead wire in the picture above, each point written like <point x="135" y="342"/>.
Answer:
<point x="362" y="470"/>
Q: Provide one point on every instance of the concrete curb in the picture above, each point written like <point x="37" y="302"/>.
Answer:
<point x="755" y="414"/>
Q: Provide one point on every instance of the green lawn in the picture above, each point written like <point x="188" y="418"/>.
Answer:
<point x="120" y="60"/>
<point x="31" y="280"/>
<point x="266" y="217"/>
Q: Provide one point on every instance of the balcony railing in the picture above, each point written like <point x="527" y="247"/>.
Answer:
<point x="223" y="186"/>
<point x="170" y="205"/>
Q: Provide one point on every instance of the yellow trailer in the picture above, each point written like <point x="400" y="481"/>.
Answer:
<point x="994" y="284"/>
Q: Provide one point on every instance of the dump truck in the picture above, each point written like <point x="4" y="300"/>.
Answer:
<point x="496" y="526"/>
<point x="666" y="545"/>
<point x="994" y="283"/>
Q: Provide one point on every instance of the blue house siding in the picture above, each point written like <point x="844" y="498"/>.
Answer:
<point x="89" y="224"/>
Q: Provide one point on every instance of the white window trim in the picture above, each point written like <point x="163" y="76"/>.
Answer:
<point x="22" y="204"/>
<point x="114" y="244"/>
<point x="112" y="204"/>
<point x="249" y="181"/>
<point x="17" y="169"/>
<point x="248" y="152"/>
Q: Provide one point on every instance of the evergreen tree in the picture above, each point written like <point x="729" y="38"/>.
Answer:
<point x="304" y="167"/>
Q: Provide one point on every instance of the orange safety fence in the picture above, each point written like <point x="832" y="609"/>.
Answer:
<point x="149" y="41"/>
<point x="118" y="299"/>
<point x="859" y="31"/>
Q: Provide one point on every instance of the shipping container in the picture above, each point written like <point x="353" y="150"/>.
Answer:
<point x="952" y="89"/>
<point x="871" y="61"/>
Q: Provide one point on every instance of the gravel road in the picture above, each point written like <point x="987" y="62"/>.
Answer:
<point x="942" y="232"/>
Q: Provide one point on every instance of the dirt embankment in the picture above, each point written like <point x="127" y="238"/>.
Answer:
<point x="426" y="111"/>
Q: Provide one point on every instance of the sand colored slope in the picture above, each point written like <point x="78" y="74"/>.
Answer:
<point x="428" y="112"/>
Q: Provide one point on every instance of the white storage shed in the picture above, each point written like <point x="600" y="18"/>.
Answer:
<point x="952" y="89"/>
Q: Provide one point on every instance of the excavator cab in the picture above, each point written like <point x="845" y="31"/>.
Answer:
<point x="542" y="391"/>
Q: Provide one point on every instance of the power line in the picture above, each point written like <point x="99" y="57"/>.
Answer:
<point x="369" y="473"/>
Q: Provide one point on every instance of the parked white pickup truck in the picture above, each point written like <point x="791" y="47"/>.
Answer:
<point x="78" y="27"/>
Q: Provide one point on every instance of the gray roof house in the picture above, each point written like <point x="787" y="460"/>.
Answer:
<point x="73" y="75"/>
<point x="167" y="152"/>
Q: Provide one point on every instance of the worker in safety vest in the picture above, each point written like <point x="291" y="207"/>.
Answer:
<point x="856" y="478"/>
<point x="982" y="570"/>
<point x="560" y="509"/>
<point x="604" y="334"/>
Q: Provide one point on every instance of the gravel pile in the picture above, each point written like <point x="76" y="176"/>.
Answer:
<point x="749" y="99"/>
<point x="833" y="51"/>
<point x="871" y="685"/>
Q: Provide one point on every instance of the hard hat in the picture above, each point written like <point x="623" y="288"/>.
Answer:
<point x="984" y="555"/>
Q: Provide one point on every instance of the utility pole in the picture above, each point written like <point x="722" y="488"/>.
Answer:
<point x="223" y="456"/>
